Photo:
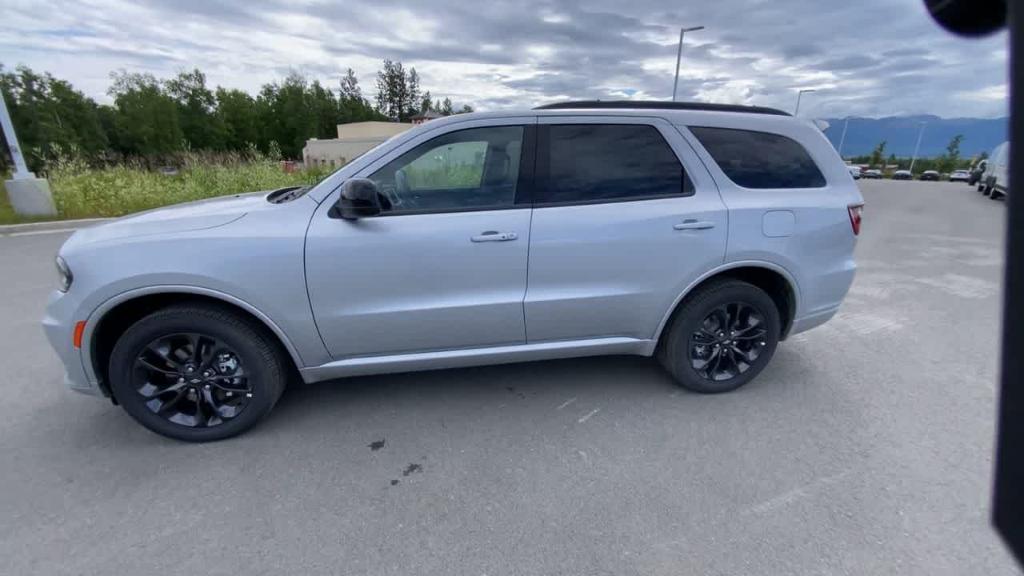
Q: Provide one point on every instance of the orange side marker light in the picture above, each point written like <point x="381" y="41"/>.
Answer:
<point x="79" y="330"/>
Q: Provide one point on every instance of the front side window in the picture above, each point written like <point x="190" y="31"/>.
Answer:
<point x="471" y="169"/>
<point x="606" y="162"/>
<point x="760" y="159"/>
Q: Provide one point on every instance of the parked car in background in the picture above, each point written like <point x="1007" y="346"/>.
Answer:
<point x="699" y="234"/>
<point x="855" y="172"/>
<point x="930" y="175"/>
<point x="873" y="174"/>
<point x="976" y="171"/>
<point x="995" y="181"/>
<point x="902" y="175"/>
<point x="959" y="176"/>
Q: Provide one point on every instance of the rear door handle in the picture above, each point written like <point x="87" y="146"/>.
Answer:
<point x="494" y="236"/>
<point x="692" y="224"/>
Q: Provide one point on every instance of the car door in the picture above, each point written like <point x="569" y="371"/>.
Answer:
<point x="444" y="265"/>
<point x="625" y="218"/>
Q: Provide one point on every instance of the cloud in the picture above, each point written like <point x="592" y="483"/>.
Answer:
<point x="994" y="93"/>
<point x="871" y="58"/>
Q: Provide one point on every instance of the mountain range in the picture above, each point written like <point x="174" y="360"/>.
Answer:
<point x="900" y="134"/>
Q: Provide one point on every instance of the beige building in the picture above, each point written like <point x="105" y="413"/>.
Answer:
<point x="353" y="140"/>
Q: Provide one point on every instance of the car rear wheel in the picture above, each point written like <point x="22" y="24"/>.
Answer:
<point x="197" y="372"/>
<point x="722" y="337"/>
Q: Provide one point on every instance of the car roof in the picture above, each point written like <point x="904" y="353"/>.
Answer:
<point x="658" y="105"/>
<point x="728" y="117"/>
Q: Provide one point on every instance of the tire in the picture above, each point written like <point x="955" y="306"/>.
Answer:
<point x="681" y="347"/>
<point x="995" y="194"/>
<point x="986" y="191"/>
<point x="197" y="372"/>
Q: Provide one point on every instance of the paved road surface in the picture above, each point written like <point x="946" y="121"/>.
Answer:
<point x="865" y="448"/>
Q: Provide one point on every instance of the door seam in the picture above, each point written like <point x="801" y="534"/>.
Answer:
<point x="526" y="289"/>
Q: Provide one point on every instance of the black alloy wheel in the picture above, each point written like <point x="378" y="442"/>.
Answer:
<point x="721" y="337"/>
<point x="728" y="341"/>
<point x="197" y="372"/>
<point x="192" y="380"/>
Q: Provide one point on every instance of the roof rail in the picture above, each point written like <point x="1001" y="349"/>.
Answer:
<point x="659" y="105"/>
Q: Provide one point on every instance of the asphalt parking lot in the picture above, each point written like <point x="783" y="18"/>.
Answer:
<point x="864" y="448"/>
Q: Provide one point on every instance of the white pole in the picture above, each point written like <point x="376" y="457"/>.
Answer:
<point x="916" y="147"/>
<point x="798" y="95"/>
<point x="679" y="56"/>
<point x="843" y="137"/>
<point x="20" y="170"/>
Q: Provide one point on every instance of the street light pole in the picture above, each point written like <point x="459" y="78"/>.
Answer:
<point x="843" y="137"/>
<point x="679" y="56"/>
<point x="20" y="170"/>
<point x="798" y="95"/>
<point x="28" y="195"/>
<point x="917" y="147"/>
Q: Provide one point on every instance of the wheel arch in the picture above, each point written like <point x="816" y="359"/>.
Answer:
<point x="775" y="280"/>
<point x="108" y="321"/>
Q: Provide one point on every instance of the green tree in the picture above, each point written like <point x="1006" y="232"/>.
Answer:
<point x="412" y="93"/>
<point x="878" y="154"/>
<point x="350" y="86"/>
<point x="391" y="89"/>
<point x="147" y="117"/>
<point x="352" y="107"/>
<point x="426" y="104"/>
<point x="237" y="114"/>
<point x="325" y="111"/>
<point x="398" y="91"/>
<point x="287" y="114"/>
<point x="949" y="161"/>
<point x="197" y="116"/>
<point x="446" y="107"/>
<point x="49" y="115"/>
<point x="466" y="109"/>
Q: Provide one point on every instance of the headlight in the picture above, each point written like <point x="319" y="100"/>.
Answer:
<point x="65" y="274"/>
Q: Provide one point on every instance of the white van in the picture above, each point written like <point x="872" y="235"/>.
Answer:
<point x="995" y="181"/>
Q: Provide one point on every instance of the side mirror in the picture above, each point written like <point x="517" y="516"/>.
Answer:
<point x="359" y="199"/>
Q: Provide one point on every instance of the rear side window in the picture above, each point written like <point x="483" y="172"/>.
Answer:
<point x="579" y="163"/>
<point x="759" y="159"/>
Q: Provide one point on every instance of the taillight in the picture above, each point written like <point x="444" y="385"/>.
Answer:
<point x="856" y="213"/>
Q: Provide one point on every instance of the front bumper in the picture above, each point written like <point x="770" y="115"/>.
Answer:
<point x="59" y="326"/>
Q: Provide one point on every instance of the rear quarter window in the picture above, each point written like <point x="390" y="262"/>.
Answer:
<point x="754" y="159"/>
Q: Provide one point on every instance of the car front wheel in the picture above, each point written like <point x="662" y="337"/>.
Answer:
<point x="722" y="337"/>
<point x="197" y="372"/>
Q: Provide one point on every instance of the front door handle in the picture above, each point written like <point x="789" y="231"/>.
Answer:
<point x="691" y="224"/>
<point x="494" y="236"/>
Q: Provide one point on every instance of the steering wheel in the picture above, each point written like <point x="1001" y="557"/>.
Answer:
<point x="402" y="195"/>
<point x="394" y="194"/>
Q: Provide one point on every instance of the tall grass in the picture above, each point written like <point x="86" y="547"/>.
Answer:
<point x="81" y="191"/>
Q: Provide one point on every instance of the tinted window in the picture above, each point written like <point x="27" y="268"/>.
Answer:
<point x="759" y="159"/>
<point x="468" y="169"/>
<point x="595" y="162"/>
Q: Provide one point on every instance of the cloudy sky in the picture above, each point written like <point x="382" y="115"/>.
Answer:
<point x="869" y="57"/>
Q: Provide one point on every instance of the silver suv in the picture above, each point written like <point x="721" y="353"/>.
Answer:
<point x="699" y="234"/>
